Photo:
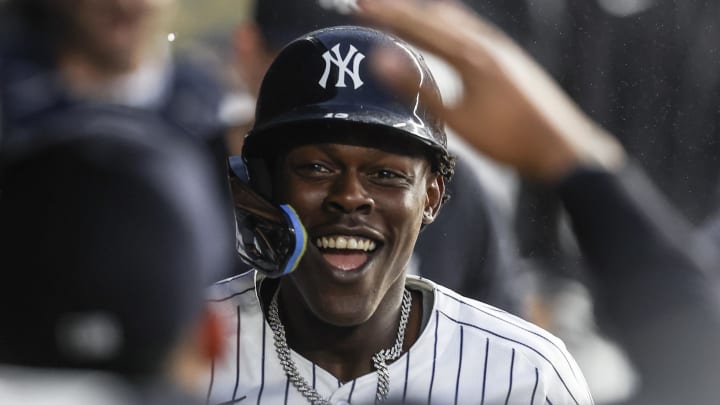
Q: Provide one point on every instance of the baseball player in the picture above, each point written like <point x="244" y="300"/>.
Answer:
<point x="365" y="170"/>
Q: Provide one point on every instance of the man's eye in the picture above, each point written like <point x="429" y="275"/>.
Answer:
<point x="313" y="168"/>
<point x="387" y="174"/>
<point x="390" y="175"/>
<point x="318" y="167"/>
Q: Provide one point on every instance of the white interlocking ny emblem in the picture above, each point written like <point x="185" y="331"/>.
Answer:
<point x="336" y="59"/>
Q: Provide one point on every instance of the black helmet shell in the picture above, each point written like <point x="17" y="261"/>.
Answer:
<point x="326" y="76"/>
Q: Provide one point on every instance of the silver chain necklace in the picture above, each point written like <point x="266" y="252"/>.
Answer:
<point x="380" y="359"/>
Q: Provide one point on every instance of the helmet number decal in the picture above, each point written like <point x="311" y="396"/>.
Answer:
<point x="336" y="115"/>
<point x="336" y="59"/>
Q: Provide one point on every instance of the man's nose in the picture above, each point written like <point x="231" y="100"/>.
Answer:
<point x="348" y="195"/>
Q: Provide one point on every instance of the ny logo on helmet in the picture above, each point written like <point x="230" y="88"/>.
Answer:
<point x="342" y="65"/>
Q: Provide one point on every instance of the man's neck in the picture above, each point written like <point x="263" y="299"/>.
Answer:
<point x="346" y="352"/>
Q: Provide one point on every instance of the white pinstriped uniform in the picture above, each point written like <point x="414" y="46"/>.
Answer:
<point x="468" y="353"/>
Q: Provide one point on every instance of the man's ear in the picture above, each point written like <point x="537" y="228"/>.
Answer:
<point x="434" y="197"/>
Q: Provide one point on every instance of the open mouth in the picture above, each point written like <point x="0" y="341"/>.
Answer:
<point x="346" y="252"/>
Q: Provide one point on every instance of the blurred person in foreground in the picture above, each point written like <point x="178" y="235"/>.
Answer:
<point x="56" y="53"/>
<point x="472" y="236"/>
<point x="650" y="273"/>
<point x="108" y="240"/>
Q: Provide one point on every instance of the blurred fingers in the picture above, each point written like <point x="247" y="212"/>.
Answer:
<point x="425" y="23"/>
<point x="399" y="74"/>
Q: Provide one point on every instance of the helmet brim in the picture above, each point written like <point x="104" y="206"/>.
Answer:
<point x="388" y="121"/>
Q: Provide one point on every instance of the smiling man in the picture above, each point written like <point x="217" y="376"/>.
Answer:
<point x="365" y="170"/>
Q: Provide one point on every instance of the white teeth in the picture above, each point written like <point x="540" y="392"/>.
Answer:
<point x="345" y="242"/>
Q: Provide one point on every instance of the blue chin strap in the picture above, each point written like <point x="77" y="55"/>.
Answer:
<point x="271" y="238"/>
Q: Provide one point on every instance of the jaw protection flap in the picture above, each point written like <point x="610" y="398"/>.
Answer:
<point x="269" y="237"/>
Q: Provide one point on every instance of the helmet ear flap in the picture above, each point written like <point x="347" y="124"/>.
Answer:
<point x="269" y="237"/>
<point x="259" y="175"/>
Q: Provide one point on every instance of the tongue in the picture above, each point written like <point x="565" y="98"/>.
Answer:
<point x="346" y="261"/>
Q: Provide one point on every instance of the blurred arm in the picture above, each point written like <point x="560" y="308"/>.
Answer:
<point x="651" y="278"/>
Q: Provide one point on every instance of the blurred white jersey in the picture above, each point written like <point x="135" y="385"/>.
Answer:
<point x="467" y="353"/>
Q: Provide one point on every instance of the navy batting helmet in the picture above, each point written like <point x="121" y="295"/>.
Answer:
<point x="324" y="79"/>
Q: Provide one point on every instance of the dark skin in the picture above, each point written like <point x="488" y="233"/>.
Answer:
<point x="340" y="318"/>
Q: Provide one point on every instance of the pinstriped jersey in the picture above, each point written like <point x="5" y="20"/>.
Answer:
<point x="467" y="353"/>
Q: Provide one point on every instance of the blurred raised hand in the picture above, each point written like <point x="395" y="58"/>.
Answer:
<point x="510" y="109"/>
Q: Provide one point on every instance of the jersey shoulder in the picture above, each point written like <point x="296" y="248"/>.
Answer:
<point x="489" y="318"/>
<point x="490" y="327"/>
